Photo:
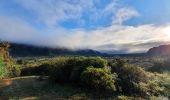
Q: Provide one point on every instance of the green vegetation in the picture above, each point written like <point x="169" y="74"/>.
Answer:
<point x="3" y="71"/>
<point x="99" y="80"/>
<point x="160" y="66"/>
<point x="30" y="88"/>
<point x="70" y="69"/>
<point x="90" y="77"/>
<point x="8" y="68"/>
<point x="135" y="81"/>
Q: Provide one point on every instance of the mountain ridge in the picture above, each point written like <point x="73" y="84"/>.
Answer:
<point x="161" y="50"/>
<point x="24" y="50"/>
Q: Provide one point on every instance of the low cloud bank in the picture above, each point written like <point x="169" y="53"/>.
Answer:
<point x="116" y="37"/>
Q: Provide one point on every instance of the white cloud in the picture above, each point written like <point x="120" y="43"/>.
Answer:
<point x="109" y="9"/>
<point x="52" y="11"/>
<point x="124" y="14"/>
<point x="116" y="37"/>
<point x="127" y="38"/>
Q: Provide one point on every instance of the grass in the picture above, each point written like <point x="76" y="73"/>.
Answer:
<point x="31" y="88"/>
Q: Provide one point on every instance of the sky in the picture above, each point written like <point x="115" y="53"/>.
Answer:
<point x="114" y="26"/>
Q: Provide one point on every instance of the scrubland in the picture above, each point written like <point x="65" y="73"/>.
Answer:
<point x="45" y="78"/>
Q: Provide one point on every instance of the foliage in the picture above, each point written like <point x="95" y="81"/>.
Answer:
<point x="70" y="69"/>
<point x="3" y="70"/>
<point x="135" y="81"/>
<point x="38" y="70"/>
<point x="99" y="80"/>
<point x="112" y="76"/>
<point x="15" y="70"/>
<point x="160" y="66"/>
<point x="163" y="79"/>
<point x="122" y="97"/>
<point x="8" y="69"/>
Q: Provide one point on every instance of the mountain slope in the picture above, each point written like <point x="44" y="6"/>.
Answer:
<point x="162" y="50"/>
<point x="22" y="50"/>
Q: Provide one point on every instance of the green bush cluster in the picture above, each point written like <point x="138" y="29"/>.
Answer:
<point x="160" y="66"/>
<point x="14" y="70"/>
<point x="134" y="81"/>
<point x="70" y="69"/>
<point x="99" y="75"/>
<point x="3" y="70"/>
<point x="8" y="70"/>
<point x="76" y="70"/>
<point x="98" y="80"/>
<point x="43" y="69"/>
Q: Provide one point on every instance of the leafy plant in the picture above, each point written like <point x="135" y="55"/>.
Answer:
<point x="98" y="80"/>
<point x="134" y="80"/>
<point x="3" y="70"/>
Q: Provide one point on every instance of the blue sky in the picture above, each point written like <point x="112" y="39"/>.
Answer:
<point x="122" y="26"/>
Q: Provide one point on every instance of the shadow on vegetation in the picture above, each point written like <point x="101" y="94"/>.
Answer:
<point x="33" y="88"/>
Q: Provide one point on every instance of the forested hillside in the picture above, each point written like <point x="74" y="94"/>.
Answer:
<point x="24" y="50"/>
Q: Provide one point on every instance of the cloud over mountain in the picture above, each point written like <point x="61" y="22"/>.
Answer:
<point x="97" y="25"/>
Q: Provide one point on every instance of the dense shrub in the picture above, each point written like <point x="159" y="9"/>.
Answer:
<point x="70" y="69"/>
<point x="99" y="80"/>
<point x="160" y="66"/>
<point x="64" y="69"/>
<point x="81" y="65"/>
<point x="8" y="71"/>
<point x="14" y="70"/>
<point x="3" y="70"/>
<point x="164" y="80"/>
<point x="99" y="75"/>
<point x="133" y="80"/>
<point x="43" y="69"/>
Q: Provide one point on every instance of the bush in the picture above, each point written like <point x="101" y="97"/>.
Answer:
<point x="83" y="63"/>
<point x="3" y="70"/>
<point x="98" y="80"/>
<point x="14" y="71"/>
<point x="133" y="80"/>
<point x="96" y="62"/>
<point x="160" y="66"/>
<point x="8" y="71"/>
<point x="43" y="69"/>
<point x="130" y="77"/>
<point x="70" y="69"/>
<point x="64" y="68"/>
<point x="96" y="74"/>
